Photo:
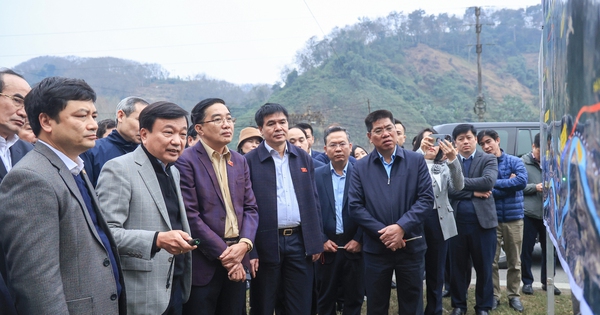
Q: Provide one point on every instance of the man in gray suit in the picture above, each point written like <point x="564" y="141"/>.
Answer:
<point x="60" y="255"/>
<point x="476" y="222"/>
<point x="141" y="199"/>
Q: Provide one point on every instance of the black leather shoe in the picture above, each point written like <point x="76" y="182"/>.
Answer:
<point x="481" y="312"/>
<point x="515" y="303"/>
<point x="445" y="293"/>
<point x="556" y="290"/>
<point x="495" y="303"/>
<point x="458" y="311"/>
<point x="527" y="289"/>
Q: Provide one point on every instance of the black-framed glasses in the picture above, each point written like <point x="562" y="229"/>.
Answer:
<point x="18" y="101"/>
<point x="219" y="121"/>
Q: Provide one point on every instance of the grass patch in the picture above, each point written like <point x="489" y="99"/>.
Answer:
<point x="533" y="304"/>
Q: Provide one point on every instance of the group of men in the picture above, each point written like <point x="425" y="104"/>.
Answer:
<point x="136" y="224"/>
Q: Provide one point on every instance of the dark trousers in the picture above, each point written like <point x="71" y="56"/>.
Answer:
<point x="531" y="229"/>
<point x="409" y="279"/>
<point x="292" y="275"/>
<point x="175" y="306"/>
<point x="7" y="307"/>
<point x="219" y="296"/>
<point x="338" y="275"/>
<point x="478" y="244"/>
<point x="435" y="262"/>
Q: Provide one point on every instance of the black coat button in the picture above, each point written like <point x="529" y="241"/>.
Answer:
<point x="106" y="262"/>
<point x="113" y="297"/>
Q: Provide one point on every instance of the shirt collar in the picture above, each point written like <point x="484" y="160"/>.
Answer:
<point x="211" y="152"/>
<point x="472" y="156"/>
<point x="383" y="159"/>
<point x="75" y="167"/>
<point x="271" y="150"/>
<point x="9" y="141"/>
<point x="333" y="169"/>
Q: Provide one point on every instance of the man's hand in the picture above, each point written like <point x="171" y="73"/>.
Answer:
<point x="316" y="257"/>
<point x="539" y="187"/>
<point x="253" y="267"/>
<point x="392" y="236"/>
<point x="513" y="175"/>
<point x="174" y="242"/>
<point x="330" y="246"/>
<point x="482" y="194"/>
<point x="233" y="255"/>
<point x="237" y="273"/>
<point x="353" y="247"/>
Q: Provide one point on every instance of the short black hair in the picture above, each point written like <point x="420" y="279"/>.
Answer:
<point x="104" y="125"/>
<point x="377" y="115"/>
<point x="301" y="129"/>
<point x="398" y="122"/>
<point x="333" y="129"/>
<point x="536" y="140"/>
<point x="4" y="71"/>
<point x="199" y="111"/>
<point x="305" y="126"/>
<point x="487" y="132"/>
<point x="463" y="128"/>
<point x="51" y="95"/>
<point x="269" y="109"/>
<point x="162" y="110"/>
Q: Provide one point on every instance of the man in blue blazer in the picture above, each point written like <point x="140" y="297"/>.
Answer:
<point x="289" y="235"/>
<point x="13" y="89"/>
<point x="340" y="270"/>
<point x="390" y="197"/>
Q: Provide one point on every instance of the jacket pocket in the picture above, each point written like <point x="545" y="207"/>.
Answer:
<point x="132" y="263"/>
<point x="81" y="306"/>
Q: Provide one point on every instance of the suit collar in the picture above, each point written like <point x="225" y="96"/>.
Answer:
<point x="75" y="167"/>
<point x="148" y="174"/>
<point x="375" y="156"/>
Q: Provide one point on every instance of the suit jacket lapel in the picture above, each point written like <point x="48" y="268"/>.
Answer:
<point x="329" y="190"/>
<point x="2" y="170"/>
<point x="149" y="178"/>
<point x="68" y="179"/>
<point x="475" y="164"/>
<point x="210" y="170"/>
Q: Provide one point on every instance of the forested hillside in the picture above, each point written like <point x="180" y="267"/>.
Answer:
<point x="422" y="67"/>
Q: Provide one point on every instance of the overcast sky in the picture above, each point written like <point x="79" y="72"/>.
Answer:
<point x="240" y="41"/>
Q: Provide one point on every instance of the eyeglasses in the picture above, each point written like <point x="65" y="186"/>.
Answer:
<point x="219" y="121"/>
<point x="379" y="131"/>
<point x="335" y="145"/>
<point x="17" y="101"/>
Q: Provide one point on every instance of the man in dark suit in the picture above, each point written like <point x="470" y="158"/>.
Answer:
<point x="63" y="259"/>
<point x="340" y="270"/>
<point x="289" y="234"/>
<point x="13" y="89"/>
<point x="390" y="197"/>
<point x="222" y="212"/>
<point x="476" y="222"/>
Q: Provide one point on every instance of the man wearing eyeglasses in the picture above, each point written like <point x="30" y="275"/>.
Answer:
<point x="13" y="89"/>
<point x="340" y="270"/>
<point x="222" y="212"/>
<point x="390" y="197"/>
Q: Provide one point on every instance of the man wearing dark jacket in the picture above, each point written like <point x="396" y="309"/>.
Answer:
<point x="533" y="222"/>
<point x="124" y="139"/>
<point x="390" y="197"/>
<point x="508" y="195"/>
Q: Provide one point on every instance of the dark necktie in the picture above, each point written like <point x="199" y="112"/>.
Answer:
<point x="85" y="193"/>
<point x="466" y="166"/>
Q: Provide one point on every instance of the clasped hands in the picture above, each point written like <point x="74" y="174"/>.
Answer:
<point x="231" y="259"/>
<point x="352" y="246"/>
<point x="392" y="236"/>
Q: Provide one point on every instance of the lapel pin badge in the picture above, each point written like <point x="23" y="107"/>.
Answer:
<point x="230" y="163"/>
<point x="304" y="170"/>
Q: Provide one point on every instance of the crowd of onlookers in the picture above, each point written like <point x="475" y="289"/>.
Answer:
<point x="152" y="213"/>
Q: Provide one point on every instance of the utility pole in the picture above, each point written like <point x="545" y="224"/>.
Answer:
<point x="480" y="105"/>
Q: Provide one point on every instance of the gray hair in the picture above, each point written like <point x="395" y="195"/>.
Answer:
<point x="127" y="105"/>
